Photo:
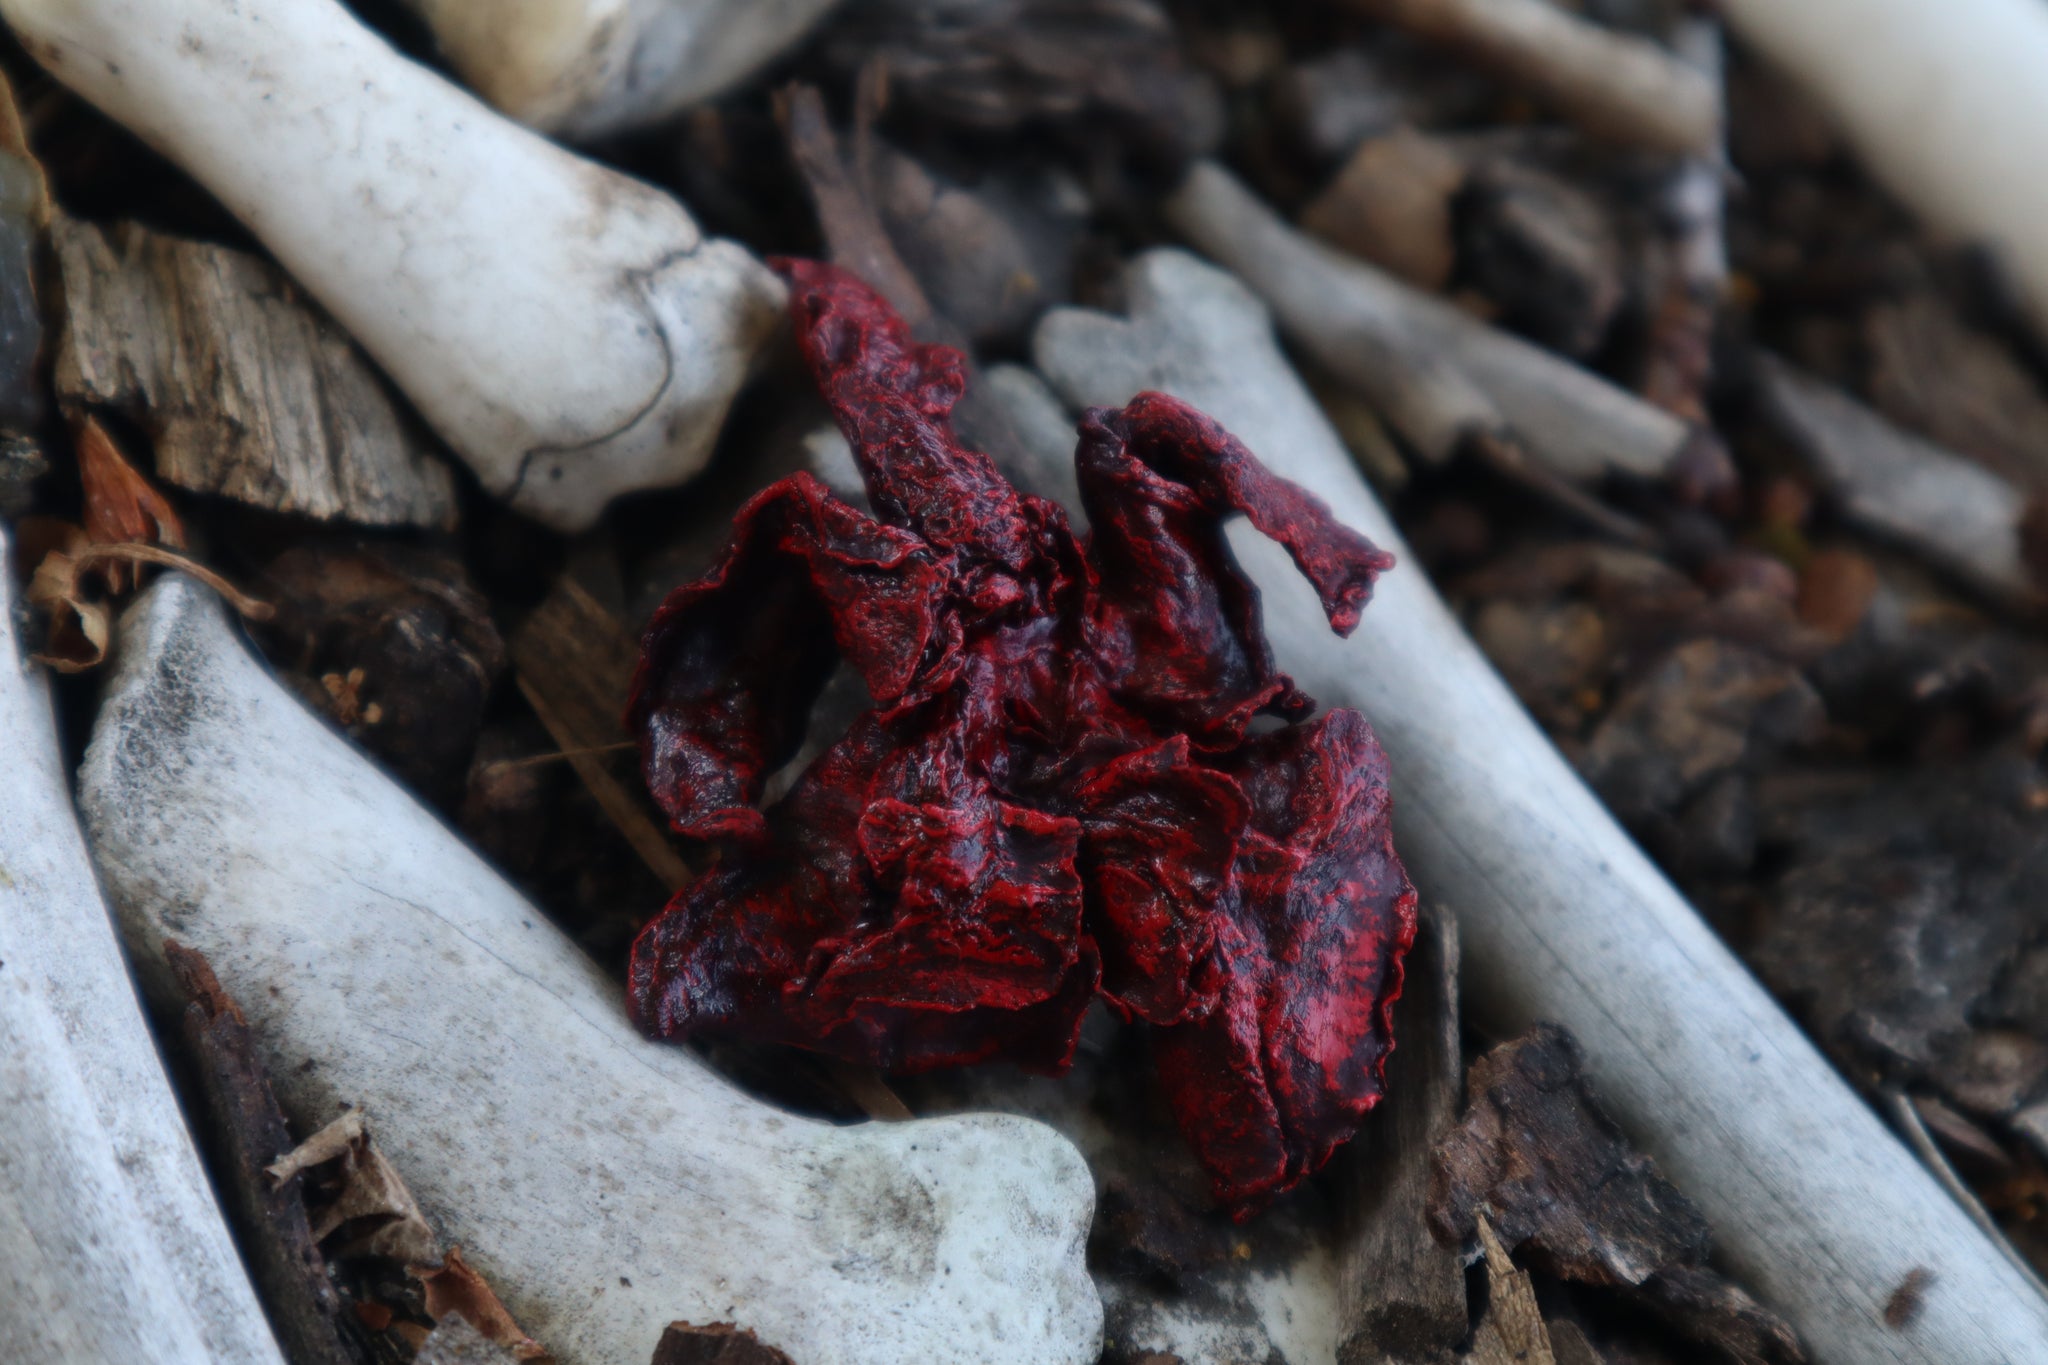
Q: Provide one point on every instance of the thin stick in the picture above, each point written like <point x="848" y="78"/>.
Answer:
<point x="94" y="555"/>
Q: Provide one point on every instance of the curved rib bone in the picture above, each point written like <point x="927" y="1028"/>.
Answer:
<point x="111" y="1248"/>
<point x="584" y="68"/>
<point x="606" y="1184"/>
<point x="1818" y="1208"/>
<point x="566" y="329"/>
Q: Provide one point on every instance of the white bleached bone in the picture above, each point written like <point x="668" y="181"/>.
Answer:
<point x="1816" y="1206"/>
<point x="583" y="68"/>
<point x="565" y="328"/>
<point x="112" y="1250"/>
<point x="1433" y="371"/>
<point x="1945" y="103"/>
<point x="605" y="1184"/>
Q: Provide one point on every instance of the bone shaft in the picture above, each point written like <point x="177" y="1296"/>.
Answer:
<point x="1816" y="1206"/>
<point x="111" y="1248"/>
<point x="1945" y="103"/>
<point x="1354" y="318"/>
<point x="1614" y="85"/>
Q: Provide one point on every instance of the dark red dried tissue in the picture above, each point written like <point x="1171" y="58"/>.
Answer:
<point x="1058" y="791"/>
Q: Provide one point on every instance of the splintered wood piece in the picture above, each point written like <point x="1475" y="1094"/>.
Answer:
<point x="1614" y="85"/>
<point x="1955" y="513"/>
<point x="1438" y="375"/>
<point x="1816" y="1207"/>
<point x="1403" y="1292"/>
<point x="112" y="1250"/>
<point x="574" y="662"/>
<point x="1512" y="1332"/>
<point x="245" y="388"/>
<point x="246" y="1133"/>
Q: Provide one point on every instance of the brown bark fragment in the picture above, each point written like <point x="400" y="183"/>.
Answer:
<point x="245" y="1132"/>
<point x="720" y="1343"/>
<point x="1402" y="1294"/>
<point x="245" y="388"/>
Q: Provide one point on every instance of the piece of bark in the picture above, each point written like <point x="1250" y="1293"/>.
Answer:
<point x="393" y="644"/>
<point x="721" y="1343"/>
<point x="1821" y="1210"/>
<point x="245" y="1134"/>
<point x="1953" y="512"/>
<point x="112" y="1249"/>
<point x="1616" y="86"/>
<point x="1403" y="1293"/>
<point x="1440" y="376"/>
<point x="245" y="387"/>
<point x="1391" y="204"/>
<point x="1538" y="1158"/>
<point x="1513" y="1331"/>
<point x="1543" y="252"/>
<point x="575" y="663"/>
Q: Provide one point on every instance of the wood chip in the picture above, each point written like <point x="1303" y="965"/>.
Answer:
<point x="245" y="1131"/>
<point x="1402" y="1293"/>
<point x="575" y="663"/>
<point x="245" y="388"/>
<point x="1512" y="1333"/>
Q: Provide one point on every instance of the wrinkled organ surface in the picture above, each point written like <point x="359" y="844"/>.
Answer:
<point x="1058" y="791"/>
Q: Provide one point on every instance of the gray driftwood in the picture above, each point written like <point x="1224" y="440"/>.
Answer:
<point x="1439" y="376"/>
<point x="112" y="1250"/>
<point x="1816" y="1206"/>
<point x="245" y="388"/>
<point x="1402" y="1294"/>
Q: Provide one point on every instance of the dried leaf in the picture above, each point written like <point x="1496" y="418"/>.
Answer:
<point x="372" y="1201"/>
<point x="456" y="1289"/>
<point x="121" y="506"/>
<point x="80" y="624"/>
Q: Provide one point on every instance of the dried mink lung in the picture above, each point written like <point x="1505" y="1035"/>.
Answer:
<point x="1057" y="792"/>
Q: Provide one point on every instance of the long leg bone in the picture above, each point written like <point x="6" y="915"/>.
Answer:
<point x="111" y="1248"/>
<point x="565" y="328"/>
<point x="1817" y="1206"/>
<point x="607" y="1185"/>
<point x="1945" y="102"/>
<point x="583" y="68"/>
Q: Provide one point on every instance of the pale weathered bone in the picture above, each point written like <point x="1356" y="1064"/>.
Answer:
<point x="583" y="68"/>
<point x="605" y="1184"/>
<point x="1438" y="375"/>
<point x="1614" y="85"/>
<point x="111" y="1248"/>
<point x="565" y="328"/>
<point x="1816" y="1206"/>
<point x="1945" y="103"/>
<point x="1952" y="512"/>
